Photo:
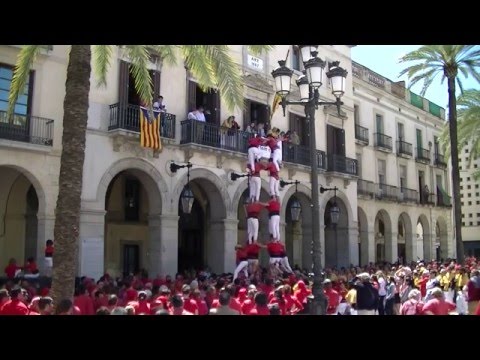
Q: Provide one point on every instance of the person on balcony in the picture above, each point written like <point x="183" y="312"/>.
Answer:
<point x="229" y="133"/>
<point x="160" y="106"/>
<point x="294" y="138"/>
<point x="253" y="150"/>
<point x="199" y="126"/>
<point x="261" y="129"/>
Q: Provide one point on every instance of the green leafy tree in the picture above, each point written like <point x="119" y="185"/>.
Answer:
<point x="468" y="127"/>
<point x="213" y="67"/>
<point x="449" y="61"/>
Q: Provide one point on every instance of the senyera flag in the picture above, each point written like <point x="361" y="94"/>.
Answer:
<point x="150" y="128"/>
<point x="276" y="102"/>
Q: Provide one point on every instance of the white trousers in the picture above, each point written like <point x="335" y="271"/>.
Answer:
<point x="286" y="264"/>
<point x="277" y="158"/>
<point x="253" y="153"/>
<point x="255" y="187"/>
<point x="274" y="186"/>
<point x="252" y="229"/>
<point x="366" y="312"/>
<point x="243" y="265"/>
<point x="274" y="226"/>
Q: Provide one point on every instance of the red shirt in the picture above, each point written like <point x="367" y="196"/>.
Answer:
<point x="31" y="268"/>
<point x="141" y="306"/>
<point x="253" y="250"/>
<point x="273" y="206"/>
<point x="190" y="305"/>
<point x="255" y="142"/>
<point x="272" y="143"/>
<point x="85" y="304"/>
<point x="10" y="271"/>
<point x="439" y="307"/>
<point x="281" y="305"/>
<point x="333" y="300"/>
<point x="292" y="304"/>
<point x="242" y="254"/>
<point x="202" y="307"/>
<point x="273" y="170"/>
<point x="258" y="167"/>
<point x="14" y="307"/>
<point x="49" y="251"/>
<point x="253" y="209"/>
<point x="259" y="310"/>
<point x="275" y="249"/>
<point x="247" y="306"/>
<point x="477" y="312"/>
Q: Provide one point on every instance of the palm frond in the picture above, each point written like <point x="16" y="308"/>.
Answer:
<point x="102" y="55"/>
<point x="227" y="75"/>
<point x="25" y="60"/>
<point x="139" y="57"/>
<point x="166" y="52"/>
<point x="259" y="49"/>
<point x="198" y="64"/>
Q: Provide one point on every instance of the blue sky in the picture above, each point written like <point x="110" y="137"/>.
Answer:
<point x="383" y="59"/>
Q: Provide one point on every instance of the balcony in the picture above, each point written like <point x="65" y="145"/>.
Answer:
<point x="127" y="117"/>
<point x="404" y="149"/>
<point x="365" y="188"/>
<point x="408" y="195"/>
<point x="440" y="161"/>
<point x="26" y="128"/>
<point x="299" y="154"/>
<point x="383" y="142"/>
<point x="361" y="135"/>
<point x="386" y="192"/>
<point x="423" y="156"/>
<point x="342" y="164"/>
<point x="443" y="199"/>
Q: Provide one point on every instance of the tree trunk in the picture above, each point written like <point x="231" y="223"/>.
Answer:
<point x="67" y="213"/>
<point x="452" y="119"/>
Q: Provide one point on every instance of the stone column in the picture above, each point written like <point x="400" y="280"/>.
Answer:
<point x="163" y="245"/>
<point x="221" y="245"/>
<point x="353" y="246"/>
<point x="371" y="246"/>
<point x="92" y="243"/>
<point x="45" y="226"/>
<point x="391" y="247"/>
<point x="428" y="250"/>
<point x="307" y="248"/>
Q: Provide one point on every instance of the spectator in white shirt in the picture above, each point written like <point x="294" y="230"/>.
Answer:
<point x="199" y="118"/>
<point x="197" y="114"/>
<point x="159" y="105"/>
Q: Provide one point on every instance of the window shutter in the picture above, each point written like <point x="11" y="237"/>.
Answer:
<point x="192" y="96"/>
<point x="123" y="83"/>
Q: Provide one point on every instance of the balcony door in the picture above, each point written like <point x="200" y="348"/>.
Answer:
<point x="210" y="100"/>
<point x="127" y="95"/>
<point x="335" y="141"/>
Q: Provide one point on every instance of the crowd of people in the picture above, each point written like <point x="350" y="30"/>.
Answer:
<point x="422" y="288"/>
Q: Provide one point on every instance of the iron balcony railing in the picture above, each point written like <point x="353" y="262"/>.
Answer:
<point x="404" y="148"/>
<point x="365" y="188"/>
<point x="27" y="128"/>
<point x="408" y="195"/>
<point x="299" y="154"/>
<point x="383" y="141"/>
<point x="423" y="155"/>
<point x="342" y="164"/>
<point x="127" y="117"/>
<point x="440" y="160"/>
<point x="386" y="192"/>
<point x="361" y="134"/>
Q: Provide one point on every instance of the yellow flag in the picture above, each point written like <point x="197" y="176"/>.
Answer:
<point x="276" y="103"/>
<point x="150" y="129"/>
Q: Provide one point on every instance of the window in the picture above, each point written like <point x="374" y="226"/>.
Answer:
<point x="463" y="215"/>
<point x="478" y="202"/>
<point x="132" y="199"/>
<point x="296" y="58"/>
<point x="468" y="178"/>
<point x="477" y="194"/>
<point x="469" y="187"/>
<point x="476" y="186"/>
<point x="469" y="203"/>
<point x="22" y="106"/>
<point x="401" y="131"/>
<point x="466" y="151"/>
<point x="461" y="203"/>
<point x="466" y="159"/>
<point x="381" y="171"/>
<point x="471" y="223"/>
<point x="475" y="165"/>
<point x="356" y="114"/>
<point x="470" y="215"/>
<point x="359" y="166"/>
<point x="478" y="214"/>
<point x="469" y="195"/>
<point x="299" y="125"/>
<point x="478" y="223"/>
<point x="403" y="177"/>
<point x="463" y="224"/>
<point x="461" y="187"/>
<point x="459" y="168"/>
<point x="379" y="123"/>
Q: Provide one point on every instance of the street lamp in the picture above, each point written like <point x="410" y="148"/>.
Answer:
<point x="314" y="67"/>
<point x="295" y="207"/>
<point x="187" y="198"/>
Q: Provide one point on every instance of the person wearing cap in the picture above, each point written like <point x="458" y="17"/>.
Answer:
<point x="367" y="295"/>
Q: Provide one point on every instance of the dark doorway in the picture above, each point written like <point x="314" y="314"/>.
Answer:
<point x="31" y="223"/>
<point x="336" y="149"/>
<point x="131" y="259"/>
<point x="191" y="238"/>
<point x="421" y="187"/>
<point x="210" y="100"/>
<point x="257" y="113"/>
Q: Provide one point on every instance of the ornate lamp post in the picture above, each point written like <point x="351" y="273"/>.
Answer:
<point x="187" y="198"/>
<point x="295" y="207"/>
<point x="310" y="99"/>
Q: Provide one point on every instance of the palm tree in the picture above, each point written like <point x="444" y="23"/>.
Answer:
<point x="447" y="60"/>
<point x="211" y="65"/>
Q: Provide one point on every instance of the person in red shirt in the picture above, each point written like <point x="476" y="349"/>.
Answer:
<point x="253" y="151"/>
<point x="277" y="152"/>
<point x="275" y="251"/>
<point x="302" y="292"/>
<point x="255" y="183"/>
<point x="201" y="303"/>
<point x="4" y="297"/>
<point x="272" y="143"/>
<point x="279" y="300"/>
<point x="438" y="305"/>
<point x="31" y="266"/>
<point x="332" y="296"/>
<point x="45" y="305"/>
<point x="253" y="211"/>
<point x="273" y="208"/>
<point x="49" y="249"/>
<point x="83" y="301"/>
<point x="253" y="250"/>
<point x="15" y="305"/>
<point x="274" y="181"/>
<point x="177" y="306"/>
<point x="477" y="312"/>
<point x="12" y="269"/>
<point x="292" y="305"/>
<point x="242" y="261"/>
<point x="189" y="304"/>
<point x="66" y="307"/>
<point x="261" y="307"/>
<point x="249" y="303"/>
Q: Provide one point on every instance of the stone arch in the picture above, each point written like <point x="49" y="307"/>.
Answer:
<point x="147" y="174"/>
<point x="242" y="186"/>
<point x="441" y="237"/>
<point x="214" y="187"/>
<point x="362" y="237"/>
<point x="408" y="238"/>
<point x="298" y="235"/>
<point x="383" y="236"/>
<point x="424" y="236"/>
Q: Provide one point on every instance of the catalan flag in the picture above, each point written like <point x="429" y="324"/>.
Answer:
<point x="276" y="102"/>
<point x="150" y="128"/>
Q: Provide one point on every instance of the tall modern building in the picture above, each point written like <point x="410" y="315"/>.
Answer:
<point x="381" y="154"/>
<point x="470" y="200"/>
